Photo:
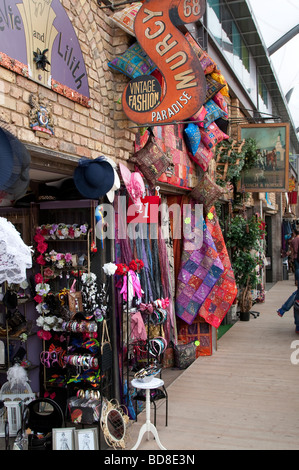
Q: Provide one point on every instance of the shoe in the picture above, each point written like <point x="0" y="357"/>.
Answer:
<point x="279" y="313"/>
<point x="296" y="331"/>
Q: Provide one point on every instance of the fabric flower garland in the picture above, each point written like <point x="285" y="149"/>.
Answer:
<point x="62" y="231"/>
<point x="131" y="282"/>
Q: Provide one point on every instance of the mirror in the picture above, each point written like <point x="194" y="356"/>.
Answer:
<point x="114" y="420"/>
<point x="116" y="425"/>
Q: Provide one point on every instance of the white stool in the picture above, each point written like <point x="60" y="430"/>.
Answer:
<point x="148" y="426"/>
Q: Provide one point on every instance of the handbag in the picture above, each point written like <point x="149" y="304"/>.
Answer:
<point x="106" y="349"/>
<point x="184" y="355"/>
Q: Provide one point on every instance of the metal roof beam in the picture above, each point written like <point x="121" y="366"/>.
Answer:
<point x="283" y="40"/>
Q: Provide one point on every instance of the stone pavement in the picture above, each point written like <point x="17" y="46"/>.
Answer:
<point x="243" y="397"/>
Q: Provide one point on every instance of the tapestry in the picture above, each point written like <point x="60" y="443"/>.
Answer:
<point x="200" y="268"/>
<point x="223" y="293"/>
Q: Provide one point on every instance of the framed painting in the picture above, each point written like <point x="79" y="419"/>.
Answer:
<point x="271" y="172"/>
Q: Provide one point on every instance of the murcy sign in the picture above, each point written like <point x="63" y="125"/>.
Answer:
<point x="157" y="31"/>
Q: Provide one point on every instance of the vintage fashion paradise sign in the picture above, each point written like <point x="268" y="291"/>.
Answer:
<point x="157" y="31"/>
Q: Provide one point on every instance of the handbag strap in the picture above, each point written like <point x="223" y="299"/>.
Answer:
<point x="105" y="331"/>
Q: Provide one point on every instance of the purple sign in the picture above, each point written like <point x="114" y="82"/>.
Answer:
<point x="32" y="27"/>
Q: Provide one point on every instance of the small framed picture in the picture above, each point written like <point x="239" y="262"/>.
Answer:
<point x="63" y="438"/>
<point x="86" y="439"/>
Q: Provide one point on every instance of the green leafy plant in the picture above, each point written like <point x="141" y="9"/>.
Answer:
<point x="244" y="238"/>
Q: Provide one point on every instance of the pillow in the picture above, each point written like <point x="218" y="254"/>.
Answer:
<point x="192" y="137"/>
<point x="213" y="87"/>
<point x="221" y="102"/>
<point x="202" y="157"/>
<point x="213" y="113"/>
<point x="212" y="135"/>
<point x="199" y="116"/>
<point x="220" y="79"/>
<point x="133" y="63"/>
<point x="206" y="192"/>
<point x="151" y="160"/>
<point x="205" y="60"/>
<point x="126" y="17"/>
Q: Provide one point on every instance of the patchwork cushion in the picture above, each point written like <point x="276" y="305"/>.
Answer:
<point x="199" y="116"/>
<point x="206" y="192"/>
<point x="221" y="102"/>
<point x="224" y="292"/>
<point x="205" y="60"/>
<point x="192" y="137"/>
<point x="221" y="80"/>
<point x="213" y="87"/>
<point x="126" y="17"/>
<point x="202" y="157"/>
<point x="151" y="160"/>
<point x="213" y="113"/>
<point x="133" y="63"/>
<point x="212" y="135"/>
<point x="199" y="271"/>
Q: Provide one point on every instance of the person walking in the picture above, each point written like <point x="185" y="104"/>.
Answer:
<point x="294" y="245"/>
<point x="292" y="301"/>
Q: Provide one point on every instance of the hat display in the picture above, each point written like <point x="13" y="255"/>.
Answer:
<point x="94" y="178"/>
<point x="116" y="185"/>
<point x="14" y="164"/>
<point x="134" y="184"/>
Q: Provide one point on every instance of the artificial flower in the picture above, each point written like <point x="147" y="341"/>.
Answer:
<point x="38" y="299"/>
<point x="48" y="272"/>
<point x="38" y="238"/>
<point x="109" y="269"/>
<point x="40" y="260"/>
<point x="38" y="278"/>
<point x="42" y="289"/>
<point x="121" y="269"/>
<point x="46" y="335"/>
<point x="68" y="257"/>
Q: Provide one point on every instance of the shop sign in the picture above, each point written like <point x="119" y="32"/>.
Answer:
<point x="40" y="36"/>
<point x="157" y="31"/>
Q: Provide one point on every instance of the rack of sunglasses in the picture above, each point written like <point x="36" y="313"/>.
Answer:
<point x="144" y="344"/>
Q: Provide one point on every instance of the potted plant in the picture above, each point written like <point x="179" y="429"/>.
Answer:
<point x="244" y="238"/>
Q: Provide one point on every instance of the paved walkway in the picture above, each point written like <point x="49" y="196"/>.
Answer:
<point x="243" y="397"/>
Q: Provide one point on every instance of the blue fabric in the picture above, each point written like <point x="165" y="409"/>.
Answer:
<point x="192" y="137"/>
<point x="288" y="305"/>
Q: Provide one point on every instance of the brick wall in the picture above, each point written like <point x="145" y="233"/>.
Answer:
<point x="101" y="129"/>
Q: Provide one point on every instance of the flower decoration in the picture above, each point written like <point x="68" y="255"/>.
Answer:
<point x="121" y="269"/>
<point x="136" y="265"/>
<point x="60" y="231"/>
<point x="46" y="335"/>
<point x="109" y="269"/>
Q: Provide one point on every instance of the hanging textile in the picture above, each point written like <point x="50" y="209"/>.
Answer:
<point x="224" y="292"/>
<point x="200" y="269"/>
<point x="15" y="256"/>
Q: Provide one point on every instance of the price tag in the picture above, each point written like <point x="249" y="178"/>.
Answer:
<point x="147" y="214"/>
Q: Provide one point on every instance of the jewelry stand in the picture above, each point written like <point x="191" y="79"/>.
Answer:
<point x="148" y="426"/>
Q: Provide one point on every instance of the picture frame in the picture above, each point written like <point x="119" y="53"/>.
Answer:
<point x="271" y="173"/>
<point x="63" y="438"/>
<point x="86" y="439"/>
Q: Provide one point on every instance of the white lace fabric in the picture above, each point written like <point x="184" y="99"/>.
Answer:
<point x="15" y="255"/>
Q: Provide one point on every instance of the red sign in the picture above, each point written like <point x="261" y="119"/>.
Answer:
<point x="148" y="214"/>
<point x="156" y="29"/>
